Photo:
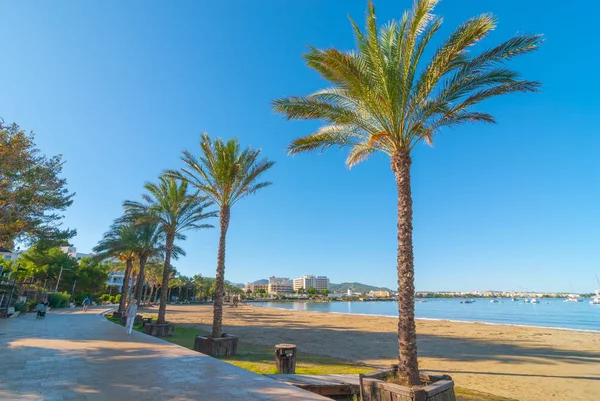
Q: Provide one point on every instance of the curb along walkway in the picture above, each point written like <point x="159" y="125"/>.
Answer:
<point x="76" y="356"/>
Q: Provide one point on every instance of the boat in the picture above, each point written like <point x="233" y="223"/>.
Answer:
<point x="526" y="300"/>
<point x="596" y="299"/>
<point x="535" y="301"/>
<point x="494" y="301"/>
<point x="467" y="301"/>
<point x="514" y="299"/>
<point x="573" y="298"/>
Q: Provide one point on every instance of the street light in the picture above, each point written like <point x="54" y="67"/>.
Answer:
<point x="12" y="289"/>
<point x="58" y="281"/>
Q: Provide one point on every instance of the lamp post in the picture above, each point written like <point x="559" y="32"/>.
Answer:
<point x="58" y="281"/>
<point x="12" y="290"/>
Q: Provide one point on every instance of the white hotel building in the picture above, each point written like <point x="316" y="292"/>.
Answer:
<point x="318" y="282"/>
<point x="280" y="285"/>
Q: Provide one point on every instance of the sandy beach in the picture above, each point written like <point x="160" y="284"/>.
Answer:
<point x="519" y="362"/>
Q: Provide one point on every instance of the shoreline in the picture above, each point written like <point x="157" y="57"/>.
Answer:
<point x="436" y="319"/>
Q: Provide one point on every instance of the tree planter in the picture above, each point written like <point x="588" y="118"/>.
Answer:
<point x="159" y="330"/>
<point x="373" y="387"/>
<point x="226" y="345"/>
<point x="137" y="320"/>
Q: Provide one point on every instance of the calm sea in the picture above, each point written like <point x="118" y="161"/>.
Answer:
<point x="553" y="313"/>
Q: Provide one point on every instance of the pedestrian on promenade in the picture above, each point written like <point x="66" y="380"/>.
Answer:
<point x="131" y="313"/>
<point x="86" y="304"/>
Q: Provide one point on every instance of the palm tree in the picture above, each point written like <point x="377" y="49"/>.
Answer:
<point x="120" y="242"/>
<point x="169" y="204"/>
<point x="226" y="174"/>
<point x="383" y="98"/>
<point x="149" y="243"/>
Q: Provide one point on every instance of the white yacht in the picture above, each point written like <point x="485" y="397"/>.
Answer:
<point x="573" y="298"/>
<point x="596" y="299"/>
<point x="494" y="301"/>
<point x="535" y="301"/>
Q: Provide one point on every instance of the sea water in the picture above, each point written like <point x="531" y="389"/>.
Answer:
<point x="551" y="313"/>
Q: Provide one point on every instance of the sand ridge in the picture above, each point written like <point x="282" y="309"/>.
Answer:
<point x="520" y="362"/>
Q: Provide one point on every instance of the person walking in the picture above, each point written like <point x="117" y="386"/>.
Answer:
<point x="131" y="313"/>
<point x="86" y="304"/>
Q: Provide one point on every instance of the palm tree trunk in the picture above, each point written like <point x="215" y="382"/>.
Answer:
<point x="125" y="287"/>
<point x="217" y="328"/>
<point x="140" y="278"/>
<point x="162" y="309"/>
<point x="156" y="294"/>
<point x="145" y="296"/>
<point x="407" y="336"/>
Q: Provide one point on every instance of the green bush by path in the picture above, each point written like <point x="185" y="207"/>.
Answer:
<point x="58" y="299"/>
<point x="31" y="304"/>
<point x="21" y="307"/>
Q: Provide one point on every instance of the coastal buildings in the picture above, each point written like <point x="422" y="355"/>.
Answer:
<point x="379" y="294"/>
<point x="252" y="287"/>
<point x="72" y="252"/>
<point x="115" y="279"/>
<point x="7" y="254"/>
<point x="280" y="285"/>
<point x="318" y="282"/>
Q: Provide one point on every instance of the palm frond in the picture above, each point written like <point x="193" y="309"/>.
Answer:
<point x="385" y="97"/>
<point x="223" y="172"/>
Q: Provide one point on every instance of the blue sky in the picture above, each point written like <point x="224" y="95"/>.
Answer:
<point x="121" y="88"/>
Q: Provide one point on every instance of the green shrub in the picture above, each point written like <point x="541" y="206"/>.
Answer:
<point x="59" y="299"/>
<point x="118" y="298"/>
<point x="21" y="307"/>
<point x="111" y="299"/>
<point x="31" y="304"/>
<point x="106" y="298"/>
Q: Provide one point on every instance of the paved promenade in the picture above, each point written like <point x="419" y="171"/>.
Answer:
<point x="76" y="356"/>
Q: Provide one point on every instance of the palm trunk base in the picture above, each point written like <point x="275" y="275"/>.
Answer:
<point x="226" y="345"/>
<point x="378" y="386"/>
<point x="159" y="329"/>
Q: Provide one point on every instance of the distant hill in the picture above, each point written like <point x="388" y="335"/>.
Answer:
<point x="263" y="281"/>
<point x="239" y="285"/>
<point x="357" y="287"/>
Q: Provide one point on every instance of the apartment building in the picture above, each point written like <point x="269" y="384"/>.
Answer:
<point x="379" y="294"/>
<point x="305" y="282"/>
<point x="250" y="287"/>
<point x="280" y="285"/>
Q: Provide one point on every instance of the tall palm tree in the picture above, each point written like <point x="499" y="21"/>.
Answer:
<point x="385" y="97"/>
<point x="226" y="174"/>
<point x="119" y="242"/>
<point x="175" y="210"/>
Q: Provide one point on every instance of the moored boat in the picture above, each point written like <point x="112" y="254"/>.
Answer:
<point x="573" y="298"/>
